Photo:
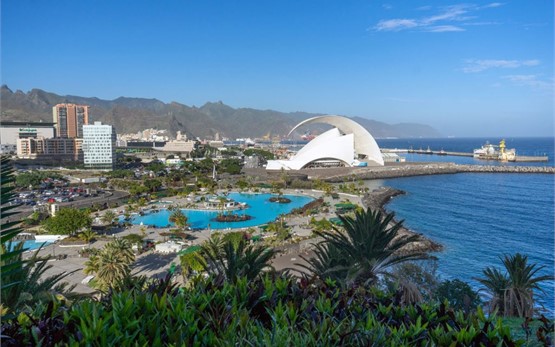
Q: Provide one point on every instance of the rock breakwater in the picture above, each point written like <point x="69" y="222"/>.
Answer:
<point x="420" y="169"/>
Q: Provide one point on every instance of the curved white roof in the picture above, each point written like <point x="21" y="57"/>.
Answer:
<point x="364" y="142"/>
<point x="346" y="142"/>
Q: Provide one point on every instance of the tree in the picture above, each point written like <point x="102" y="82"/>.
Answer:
<point x="242" y="184"/>
<point x="111" y="264"/>
<point x="109" y="217"/>
<point x="179" y="219"/>
<point x="459" y="295"/>
<point x="153" y="184"/>
<point x="366" y="247"/>
<point x="230" y="166"/>
<point x="22" y="282"/>
<point x="67" y="221"/>
<point x="513" y="291"/>
<point x="192" y="261"/>
<point x="232" y="263"/>
<point x="31" y="285"/>
<point x="496" y="282"/>
<point x="88" y="235"/>
<point x="123" y="249"/>
<point x="111" y="270"/>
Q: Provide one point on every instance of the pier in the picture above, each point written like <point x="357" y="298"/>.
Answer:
<point x="518" y="158"/>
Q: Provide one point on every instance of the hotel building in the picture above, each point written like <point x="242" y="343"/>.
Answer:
<point x="69" y="119"/>
<point x="99" y="146"/>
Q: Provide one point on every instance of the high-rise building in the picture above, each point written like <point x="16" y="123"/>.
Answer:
<point x="99" y="146"/>
<point x="69" y="119"/>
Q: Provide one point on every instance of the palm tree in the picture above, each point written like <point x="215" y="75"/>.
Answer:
<point x="88" y="235"/>
<point x="367" y="247"/>
<point x="111" y="269"/>
<point x="93" y="264"/>
<point x="192" y="262"/>
<point x="122" y="248"/>
<point x="179" y="219"/>
<point x="109" y="217"/>
<point x="496" y="283"/>
<point x="232" y="263"/>
<point x="22" y="282"/>
<point x="513" y="292"/>
<point x="30" y="285"/>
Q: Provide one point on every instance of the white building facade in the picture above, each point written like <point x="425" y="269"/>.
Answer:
<point x="347" y="144"/>
<point x="99" y="146"/>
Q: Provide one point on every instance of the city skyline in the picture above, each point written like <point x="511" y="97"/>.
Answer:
<point x="467" y="69"/>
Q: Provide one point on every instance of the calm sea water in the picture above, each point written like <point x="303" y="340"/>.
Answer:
<point x="480" y="217"/>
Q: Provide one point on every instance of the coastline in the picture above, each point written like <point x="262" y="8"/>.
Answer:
<point x="378" y="198"/>
<point x="398" y="170"/>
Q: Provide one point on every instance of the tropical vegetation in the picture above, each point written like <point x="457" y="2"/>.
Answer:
<point x="366" y="247"/>
<point x="111" y="265"/>
<point x="67" y="221"/>
<point x="512" y="291"/>
<point x="24" y="283"/>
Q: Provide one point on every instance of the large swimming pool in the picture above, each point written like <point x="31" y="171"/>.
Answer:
<point x="260" y="209"/>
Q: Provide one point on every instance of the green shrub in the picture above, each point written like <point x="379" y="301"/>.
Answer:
<point x="276" y="311"/>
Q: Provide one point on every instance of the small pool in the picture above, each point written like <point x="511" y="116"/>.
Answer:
<point x="31" y="244"/>
<point x="260" y="209"/>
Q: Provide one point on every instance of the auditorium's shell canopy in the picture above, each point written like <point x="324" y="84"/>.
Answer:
<point x="347" y="143"/>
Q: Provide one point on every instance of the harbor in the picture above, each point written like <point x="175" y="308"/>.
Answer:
<point x="517" y="158"/>
<point x="488" y="151"/>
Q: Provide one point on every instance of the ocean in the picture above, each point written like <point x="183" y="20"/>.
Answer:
<point x="480" y="217"/>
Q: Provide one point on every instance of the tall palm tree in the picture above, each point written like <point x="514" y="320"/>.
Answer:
<point x="366" y="247"/>
<point x="111" y="269"/>
<point x="496" y="282"/>
<point x="513" y="292"/>
<point x="122" y="248"/>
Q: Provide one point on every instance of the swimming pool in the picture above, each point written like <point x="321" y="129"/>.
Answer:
<point x="260" y="209"/>
<point x="31" y="244"/>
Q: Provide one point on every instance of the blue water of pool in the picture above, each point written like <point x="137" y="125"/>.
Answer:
<point x="31" y="244"/>
<point x="260" y="209"/>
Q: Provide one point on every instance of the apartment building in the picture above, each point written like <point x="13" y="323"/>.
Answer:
<point x="69" y="119"/>
<point x="62" y="149"/>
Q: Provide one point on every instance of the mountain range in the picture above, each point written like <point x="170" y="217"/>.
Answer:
<point x="130" y="115"/>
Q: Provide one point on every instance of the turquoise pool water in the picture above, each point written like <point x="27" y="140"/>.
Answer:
<point x="31" y="244"/>
<point x="260" y="209"/>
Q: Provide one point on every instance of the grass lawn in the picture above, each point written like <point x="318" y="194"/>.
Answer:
<point x="515" y="324"/>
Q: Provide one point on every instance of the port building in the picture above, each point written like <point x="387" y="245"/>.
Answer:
<point x="346" y="144"/>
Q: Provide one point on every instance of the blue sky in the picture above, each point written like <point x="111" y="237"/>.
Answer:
<point x="468" y="69"/>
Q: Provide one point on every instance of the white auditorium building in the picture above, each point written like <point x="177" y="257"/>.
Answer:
<point x="347" y="144"/>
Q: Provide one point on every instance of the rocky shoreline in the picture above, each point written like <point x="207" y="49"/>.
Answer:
<point x="377" y="199"/>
